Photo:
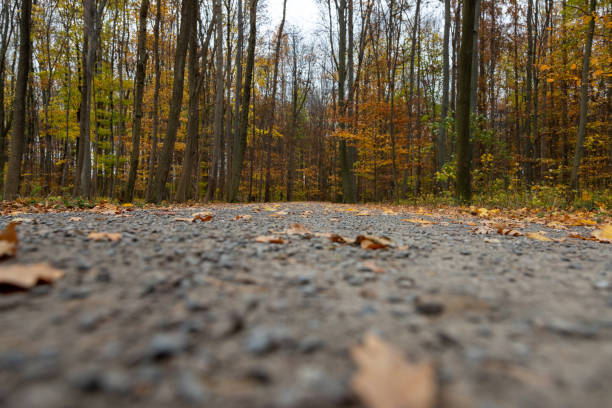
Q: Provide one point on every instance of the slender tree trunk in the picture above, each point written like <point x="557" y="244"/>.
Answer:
<point x="141" y="68"/>
<point x="445" y="85"/>
<point x="18" y="137"/>
<point x="191" y="149"/>
<point x="218" y="115"/>
<point x="464" y="85"/>
<point x="153" y="156"/>
<point x="161" y="176"/>
<point x="272" y="113"/>
<point x="584" y="99"/>
<point x="240" y="138"/>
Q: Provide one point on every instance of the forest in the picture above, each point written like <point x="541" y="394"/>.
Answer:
<point x="385" y="101"/>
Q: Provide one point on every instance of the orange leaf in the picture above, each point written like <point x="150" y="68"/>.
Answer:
<point x="386" y="380"/>
<point x="8" y="241"/>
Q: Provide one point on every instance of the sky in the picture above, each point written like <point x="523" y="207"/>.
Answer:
<point x="300" y="13"/>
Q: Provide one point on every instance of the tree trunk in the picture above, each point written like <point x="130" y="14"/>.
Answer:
<point x="191" y="142"/>
<point x="141" y="68"/>
<point x="584" y="99"/>
<point x="218" y="118"/>
<point x="153" y="156"/>
<point x="161" y="176"/>
<point x="268" y="138"/>
<point x="445" y="87"/>
<point x="240" y="138"/>
<point x="464" y="85"/>
<point x="17" y="141"/>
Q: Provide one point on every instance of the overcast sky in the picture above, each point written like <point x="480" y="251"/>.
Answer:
<point x="300" y="13"/>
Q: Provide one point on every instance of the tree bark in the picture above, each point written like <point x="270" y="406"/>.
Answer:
<point x="191" y="143"/>
<point x="18" y="137"/>
<point x="584" y="100"/>
<point x="141" y="68"/>
<point x="464" y="85"/>
<point x="445" y="87"/>
<point x="153" y="156"/>
<point x="161" y="176"/>
<point x="240" y="137"/>
<point x="213" y="172"/>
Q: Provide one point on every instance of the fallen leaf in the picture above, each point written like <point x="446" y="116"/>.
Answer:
<point x="202" y="214"/>
<point x="297" y="229"/>
<point x="483" y="230"/>
<point x="75" y="219"/>
<point x="202" y="218"/>
<point x="8" y="241"/>
<point x="372" y="266"/>
<point x="373" y="242"/>
<point x="604" y="234"/>
<point x="28" y="275"/>
<point x="386" y="380"/>
<point x="104" y="236"/>
<point x="578" y="236"/>
<point x="269" y="239"/>
<point x="418" y="221"/>
<point x="537" y="236"/>
<point x="245" y="217"/>
<point x="510" y="232"/>
<point x="341" y="239"/>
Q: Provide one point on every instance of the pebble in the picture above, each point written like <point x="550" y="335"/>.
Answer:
<point x="166" y="345"/>
<point x="428" y="307"/>
<point x="191" y="388"/>
<point x="265" y="339"/>
<point x="75" y="293"/>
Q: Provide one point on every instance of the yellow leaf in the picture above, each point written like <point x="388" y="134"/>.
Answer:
<point x="604" y="234"/>
<point x="538" y="237"/>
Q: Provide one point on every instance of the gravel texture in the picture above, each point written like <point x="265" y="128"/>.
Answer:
<point x="200" y="314"/>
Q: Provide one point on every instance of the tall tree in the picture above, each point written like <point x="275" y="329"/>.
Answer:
<point x="188" y="17"/>
<point x="18" y="137"/>
<point x="213" y="172"/>
<point x="584" y="97"/>
<point x="153" y="155"/>
<point x="92" y="24"/>
<point x="141" y="68"/>
<point x="464" y="85"/>
<point x="272" y="112"/>
<point x="183" y="192"/>
<point x="240" y="138"/>
<point x="441" y="142"/>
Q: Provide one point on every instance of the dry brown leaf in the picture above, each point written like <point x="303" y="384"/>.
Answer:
<point x="421" y="221"/>
<point x="373" y="242"/>
<point x="341" y="239"/>
<point x="104" y="236"/>
<point x="202" y="214"/>
<point x="297" y="229"/>
<point x="27" y="276"/>
<point x="371" y="265"/>
<point x="202" y="218"/>
<point x="386" y="380"/>
<point x="244" y="217"/>
<point x="537" y="236"/>
<point x="270" y="239"/>
<point x="604" y="234"/>
<point x="483" y="230"/>
<point x="578" y="236"/>
<point x="8" y="241"/>
<point x="510" y="232"/>
<point x="75" y="219"/>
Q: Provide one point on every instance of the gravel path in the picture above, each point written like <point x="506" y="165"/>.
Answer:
<point x="178" y="313"/>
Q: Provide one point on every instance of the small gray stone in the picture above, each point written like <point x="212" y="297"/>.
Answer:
<point x="166" y="345"/>
<point x="191" y="389"/>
